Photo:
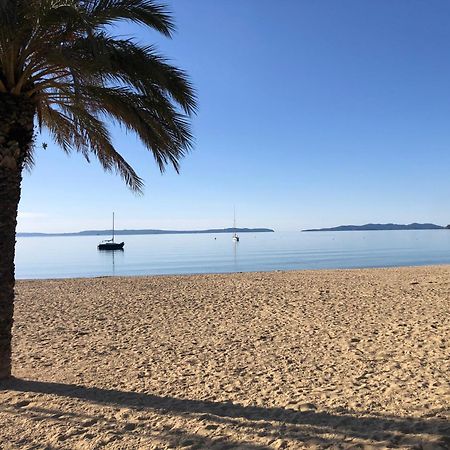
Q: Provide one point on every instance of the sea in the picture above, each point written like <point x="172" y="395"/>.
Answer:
<point x="77" y="256"/>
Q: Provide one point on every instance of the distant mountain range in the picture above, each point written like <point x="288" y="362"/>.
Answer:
<point x="141" y="232"/>
<point x="383" y="226"/>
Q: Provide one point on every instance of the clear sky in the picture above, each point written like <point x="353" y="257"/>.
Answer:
<point x="311" y="113"/>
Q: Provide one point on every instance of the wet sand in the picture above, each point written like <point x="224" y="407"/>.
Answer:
<point x="338" y="359"/>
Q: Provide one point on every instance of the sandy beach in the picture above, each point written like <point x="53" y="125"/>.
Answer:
<point x="339" y="359"/>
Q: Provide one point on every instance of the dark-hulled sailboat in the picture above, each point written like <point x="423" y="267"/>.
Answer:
<point x="109" y="244"/>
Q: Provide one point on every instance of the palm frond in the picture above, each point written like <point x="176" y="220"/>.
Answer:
<point x="77" y="130"/>
<point x="145" y="12"/>
<point x="119" y="61"/>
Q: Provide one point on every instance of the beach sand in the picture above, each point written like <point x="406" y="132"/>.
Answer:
<point x="337" y="359"/>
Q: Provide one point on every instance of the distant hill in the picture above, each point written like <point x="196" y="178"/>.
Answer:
<point x="381" y="227"/>
<point x="141" y="232"/>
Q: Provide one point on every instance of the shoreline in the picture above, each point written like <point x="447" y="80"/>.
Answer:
<point x="355" y="359"/>
<point x="196" y="274"/>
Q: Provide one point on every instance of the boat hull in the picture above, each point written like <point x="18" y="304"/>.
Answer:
<point x="111" y="246"/>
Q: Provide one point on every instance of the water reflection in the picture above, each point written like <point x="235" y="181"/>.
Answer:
<point x="109" y="255"/>
<point x="235" y="247"/>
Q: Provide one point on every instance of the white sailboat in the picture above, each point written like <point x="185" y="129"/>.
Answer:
<point x="235" y="235"/>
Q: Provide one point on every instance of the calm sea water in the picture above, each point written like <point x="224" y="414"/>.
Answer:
<point x="61" y="257"/>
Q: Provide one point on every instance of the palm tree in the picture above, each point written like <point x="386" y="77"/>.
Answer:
<point x="62" y="68"/>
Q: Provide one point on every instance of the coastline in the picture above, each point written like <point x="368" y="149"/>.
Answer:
<point x="196" y="274"/>
<point x="285" y="359"/>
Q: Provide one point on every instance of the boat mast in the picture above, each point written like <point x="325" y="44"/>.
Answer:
<point x="235" y="235"/>
<point x="113" y="229"/>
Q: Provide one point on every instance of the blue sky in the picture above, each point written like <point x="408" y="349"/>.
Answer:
<point x="311" y="113"/>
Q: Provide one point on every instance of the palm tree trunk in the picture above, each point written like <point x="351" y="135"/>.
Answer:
<point x="16" y="138"/>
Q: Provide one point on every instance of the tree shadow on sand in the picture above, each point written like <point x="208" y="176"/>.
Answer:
<point x="342" y="429"/>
